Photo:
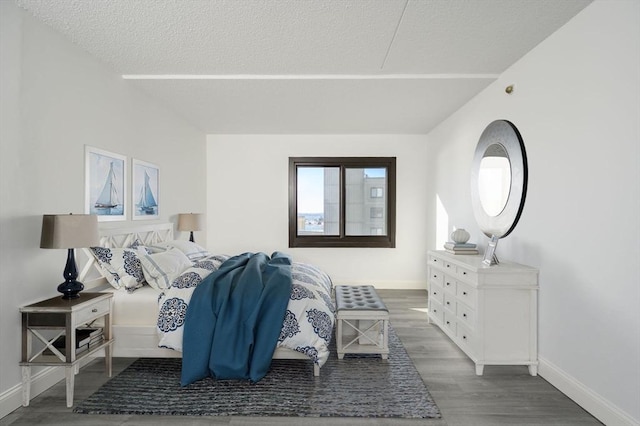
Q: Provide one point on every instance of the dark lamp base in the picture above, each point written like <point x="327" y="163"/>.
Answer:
<point x="70" y="289"/>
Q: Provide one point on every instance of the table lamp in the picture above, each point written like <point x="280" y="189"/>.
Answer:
<point x="190" y="222"/>
<point x="69" y="232"/>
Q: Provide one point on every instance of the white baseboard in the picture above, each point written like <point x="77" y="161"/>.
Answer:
<point x="599" y="407"/>
<point x="11" y="399"/>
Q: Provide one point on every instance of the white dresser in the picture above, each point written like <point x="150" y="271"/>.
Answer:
<point x="490" y="312"/>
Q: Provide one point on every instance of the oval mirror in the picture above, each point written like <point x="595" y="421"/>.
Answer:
<point x="494" y="179"/>
<point x="499" y="179"/>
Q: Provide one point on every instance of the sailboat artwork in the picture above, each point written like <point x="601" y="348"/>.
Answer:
<point x="146" y="203"/>
<point x="105" y="190"/>
<point x="145" y="187"/>
<point x="108" y="198"/>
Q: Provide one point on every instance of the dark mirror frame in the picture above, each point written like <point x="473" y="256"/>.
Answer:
<point x="505" y="133"/>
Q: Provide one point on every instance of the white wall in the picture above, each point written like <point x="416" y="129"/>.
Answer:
<point x="577" y="105"/>
<point x="56" y="98"/>
<point x="248" y="203"/>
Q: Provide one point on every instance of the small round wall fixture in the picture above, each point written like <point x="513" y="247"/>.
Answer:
<point x="499" y="179"/>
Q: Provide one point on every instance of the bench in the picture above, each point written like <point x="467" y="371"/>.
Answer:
<point x="362" y="321"/>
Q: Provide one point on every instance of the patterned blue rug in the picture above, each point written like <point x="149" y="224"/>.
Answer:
<point x="357" y="386"/>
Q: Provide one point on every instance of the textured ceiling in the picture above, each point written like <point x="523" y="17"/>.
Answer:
<point x="308" y="66"/>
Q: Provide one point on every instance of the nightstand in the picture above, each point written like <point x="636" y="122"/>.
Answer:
<point x="52" y="318"/>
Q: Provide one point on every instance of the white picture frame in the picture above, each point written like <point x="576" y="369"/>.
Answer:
<point x="105" y="184"/>
<point x="490" y="257"/>
<point x="145" y="194"/>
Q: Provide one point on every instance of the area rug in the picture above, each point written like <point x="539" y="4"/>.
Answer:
<point x="357" y="386"/>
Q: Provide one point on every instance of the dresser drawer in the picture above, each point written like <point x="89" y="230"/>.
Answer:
<point x="436" y="293"/>
<point x="436" y="311"/>
<point x="435" y="261"/>
<point x="466" y="315"/>
<point x="92" y="312"/>
<point x="450" y="302"/>
<point x="466" y="337"/>
<point x="467" y="294"/>
<point x="436" y="276"/>
<point x="449" y="268"/>
<point x="449" y="284"/>
<point x="466" y="274"/>
<point x="450" y="322"/>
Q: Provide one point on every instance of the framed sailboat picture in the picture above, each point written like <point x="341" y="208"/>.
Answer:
<point x="105" y="184"/>
<point x="146" y="182"/>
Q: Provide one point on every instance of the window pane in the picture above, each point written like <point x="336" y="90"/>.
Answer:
<point x="318" y="196"/>
<point x="365" y="212"/>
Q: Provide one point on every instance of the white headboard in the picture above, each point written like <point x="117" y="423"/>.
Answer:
<point x="120" y="237"/>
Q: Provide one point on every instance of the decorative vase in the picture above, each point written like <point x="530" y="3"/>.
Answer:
<point x="460" y="236"/>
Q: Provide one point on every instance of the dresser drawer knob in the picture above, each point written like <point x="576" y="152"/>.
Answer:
<point x="464" y="273"/>
<point x="464" y="293"/>
<point x="448" y="283"/>
<point x="448" y="323"/>
<point x="448" y="303"/>
<point x="464" y="337"/>
<point x="464" y="315"/>
<point x="94" y="310"/>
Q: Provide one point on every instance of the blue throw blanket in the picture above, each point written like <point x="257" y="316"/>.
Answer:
<point x="234" y="319"/>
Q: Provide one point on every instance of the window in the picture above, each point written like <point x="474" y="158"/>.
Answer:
<point x="377" y="192"/>
<point x="342" y="202"/>
<point x="376" y="213"/>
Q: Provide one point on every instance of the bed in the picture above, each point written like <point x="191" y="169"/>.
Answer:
<point x="136" y="307"/>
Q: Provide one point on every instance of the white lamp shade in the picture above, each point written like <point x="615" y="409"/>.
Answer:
<point x="69" y="231"/>
<point x="190" y="221"/>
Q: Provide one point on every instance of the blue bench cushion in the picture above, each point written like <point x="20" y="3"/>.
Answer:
<point x="358" y="298"/>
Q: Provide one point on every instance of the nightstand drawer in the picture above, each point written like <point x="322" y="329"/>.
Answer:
<point x="92" y="312"/>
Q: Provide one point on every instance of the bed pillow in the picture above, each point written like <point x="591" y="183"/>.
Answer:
<point x="192" y="250"/>
<point x="120" y="266"/>
<point x="137" y="244"/>
<point x="160" y="269"/>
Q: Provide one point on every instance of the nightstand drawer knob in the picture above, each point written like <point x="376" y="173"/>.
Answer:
<point x="94" y="310"/>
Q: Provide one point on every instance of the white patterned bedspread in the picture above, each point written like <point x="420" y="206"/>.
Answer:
<point x="308" y="322"/>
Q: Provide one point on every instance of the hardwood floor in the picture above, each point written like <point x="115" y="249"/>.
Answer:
<point x="502" y="396"/>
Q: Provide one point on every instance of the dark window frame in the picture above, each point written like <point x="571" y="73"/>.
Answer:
<point x="342" y="240"/>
